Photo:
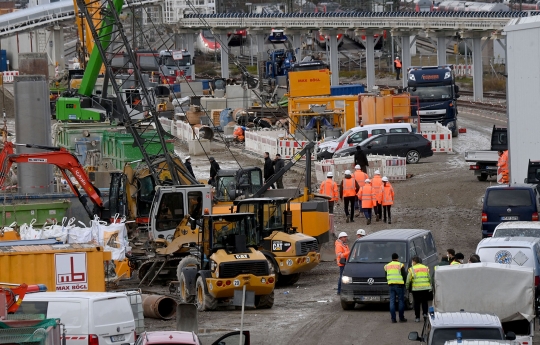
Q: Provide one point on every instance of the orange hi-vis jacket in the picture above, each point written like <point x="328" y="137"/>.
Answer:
<point x="387" y="195"/>
<point x="349" y="187"/>
<point x="502" y="168"/>
<point x="398" y="63"/>
<point x="366" y="195"/>
<point x="330" y="188"/>
<point x="360" y="177"/>
<point x="342" y="251"/>
<point x="376" y="183"/>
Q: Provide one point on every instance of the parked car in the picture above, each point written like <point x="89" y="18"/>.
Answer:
<point x="188" y="338"/>
<point x="364" y="278"/>
<point x="409" y="145"/>
<point x="354" y="136"/>
<point x="517" y="229"/>
<point x="505" y="203"/>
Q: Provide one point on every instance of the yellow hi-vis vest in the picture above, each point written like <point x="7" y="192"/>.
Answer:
<point x="455" y="262"/>
<point x="393" y="273"/>
<point x="420" y="277"/>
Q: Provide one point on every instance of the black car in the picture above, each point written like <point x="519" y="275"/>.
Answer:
<point x="409" y="145"/>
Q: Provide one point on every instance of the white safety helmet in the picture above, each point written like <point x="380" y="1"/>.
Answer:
<point x="343" y="234"/>
<point x="361" y="232"/>
<point x="385" y="179"/>
<point x="377" y="172"/>
<point x="367" y="181"/>
<point x="188" y="158"/>
<point x="347" y="172"/>
<point x="397" y="57"/>
<point x="329" y="174"/>
<point x="357" y="167"/>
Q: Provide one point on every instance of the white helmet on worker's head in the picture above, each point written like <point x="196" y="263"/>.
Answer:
<point x="329" y="174"/>
<point x="361" y="232"/>
<point x="385" y="179"/>
<point x="367" y="181"/>
<point x="347" y="172"/>
<point x="397" y="57"/>
<point x="377" y="172"/>
<point x="357" y="167"/>
<point x="188" y="158"/>
<point x="343" y="234"/>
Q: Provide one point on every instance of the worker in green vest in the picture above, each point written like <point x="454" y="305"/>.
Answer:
<point x="395" y="273"/>
<point x="419" y="282"/>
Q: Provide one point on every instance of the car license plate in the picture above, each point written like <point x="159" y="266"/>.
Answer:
<point x="371" y="298"/>
<point x="510" y="218"/>
<point x="116" y="338"/>
<point x="492" y="168"/>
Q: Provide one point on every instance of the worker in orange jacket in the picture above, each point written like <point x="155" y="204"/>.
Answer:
<point x="367" y="196"/>
<point x="376" y="183"/>
<point x="387" y="198"/>
<point x="330" y="188"/>
<point x="238" y="134"/>
<point x="397" y="66"/>
<point x="349" y="188"/>
<point x="342" y="254"/>
<point x="502" y="167"/>
<point x="360" y="176"/>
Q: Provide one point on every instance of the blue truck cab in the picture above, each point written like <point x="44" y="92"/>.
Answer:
<point x="434" y="93"/>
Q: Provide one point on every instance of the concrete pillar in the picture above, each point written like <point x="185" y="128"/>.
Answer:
<point x="441" y="49"/>
<point x="224" y="55"/>
<point x="478" y="84"/>
<point x="406" y="56"/>
<point x="33" y="126"/>
<point x="297" y="45"/>
<point x="370" y="59"/>
<point x="58" y="48"/>
<point x="260" y="42"/>
<point x="334" y="58"/>
<point x="189" y="38"/>
<point x="178" y="41"/>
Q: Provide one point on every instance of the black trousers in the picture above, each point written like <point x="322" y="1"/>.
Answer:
<point x="387" y="209"/>
<point x="349" y="200"/>
<point x="398" y="72"/>
<point x="331" y="207"/>
<point x="279" y="183"/>
<point x="420" y="297"/>
<point x="378" y="209"/>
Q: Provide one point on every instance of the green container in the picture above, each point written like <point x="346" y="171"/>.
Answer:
<point x="23" y="212"/>
<point x="68" y="133"/>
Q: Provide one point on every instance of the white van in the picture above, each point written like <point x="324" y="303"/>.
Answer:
<point x="356" y="135"/>
<point x="519" y="251"/>
<point x="90" y="318"/>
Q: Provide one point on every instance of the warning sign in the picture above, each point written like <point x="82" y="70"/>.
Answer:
<point x="71" y="272"/>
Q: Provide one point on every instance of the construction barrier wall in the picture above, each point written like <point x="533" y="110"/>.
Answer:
<point x="390" y="166"/>
<point x="273" y="142"/>
<point x="439" y="135"/>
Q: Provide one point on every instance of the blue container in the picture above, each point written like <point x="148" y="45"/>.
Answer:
<point x="175" y="87"/>
<point x="205" y="84"/>
<point x="3" y="60"/>
<point x="346" y="90"/>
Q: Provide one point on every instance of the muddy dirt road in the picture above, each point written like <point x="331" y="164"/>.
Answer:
<point x="442" y="196"/>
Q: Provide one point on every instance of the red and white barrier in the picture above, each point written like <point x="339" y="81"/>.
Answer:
<point x="273" y="142"/>
<point x="439" y="135"/>
<point x="395" y="168"/>
<point x="463" y="70"/>
<point x="9" y="77"/>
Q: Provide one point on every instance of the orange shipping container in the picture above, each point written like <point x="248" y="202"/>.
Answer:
<point x="385" y="109"/>
<point x="309" y="83"/>
<point x="62" y="267"/>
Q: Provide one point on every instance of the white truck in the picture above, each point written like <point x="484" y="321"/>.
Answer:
<point x="484" y="163"/>
<point x="478" y="301"/>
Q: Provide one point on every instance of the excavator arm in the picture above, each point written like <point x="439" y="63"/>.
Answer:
<point x="64" y="160"/>
<point x="306" y="150"/>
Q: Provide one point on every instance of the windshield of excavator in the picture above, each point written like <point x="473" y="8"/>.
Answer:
<point x="224" y="230"/>
<point x="273" y="215"/>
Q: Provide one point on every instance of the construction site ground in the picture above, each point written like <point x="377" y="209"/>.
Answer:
<point x="442" y="196"/>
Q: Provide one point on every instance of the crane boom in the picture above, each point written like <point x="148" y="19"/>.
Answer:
<point x="108" y="33"/>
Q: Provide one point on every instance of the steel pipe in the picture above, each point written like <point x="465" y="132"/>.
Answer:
<point x="158" y="307"/>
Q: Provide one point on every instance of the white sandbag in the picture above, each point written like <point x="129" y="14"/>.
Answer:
<point x="28" y="232"/>
<point x="113" y="237"/>
<point x="8" y="228"/>
<point x="60" y="232"/>
<point x="81" y="234"/>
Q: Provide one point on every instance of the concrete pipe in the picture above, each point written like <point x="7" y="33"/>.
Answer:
<point x="158" y="307"/>
<point x="205" y="132"/>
